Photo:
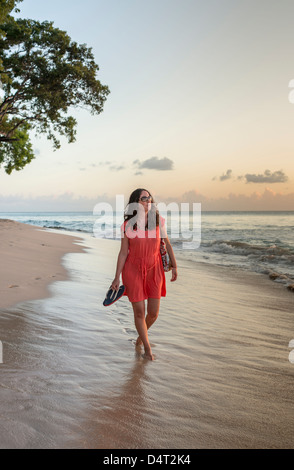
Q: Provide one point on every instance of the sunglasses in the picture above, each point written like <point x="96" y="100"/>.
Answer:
<point x="145" y="198"/>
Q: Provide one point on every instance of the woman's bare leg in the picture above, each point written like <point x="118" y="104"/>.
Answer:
<point x="152" y="311"/>
<point x="140" y="323"/>
<point x="152" y="315"/>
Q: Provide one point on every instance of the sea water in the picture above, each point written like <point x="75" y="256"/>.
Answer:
<point x="261" y="242"/>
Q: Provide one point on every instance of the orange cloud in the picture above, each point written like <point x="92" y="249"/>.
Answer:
<point x="269" y="200"/>
<point x="266" y="201"/>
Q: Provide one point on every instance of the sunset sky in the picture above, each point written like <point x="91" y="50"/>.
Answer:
<point x="200" y="108"/>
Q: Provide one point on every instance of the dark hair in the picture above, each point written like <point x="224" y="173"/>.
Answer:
<point x="135" y="197"/>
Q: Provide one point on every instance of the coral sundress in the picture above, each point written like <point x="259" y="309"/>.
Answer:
<point x="143" y="275"/>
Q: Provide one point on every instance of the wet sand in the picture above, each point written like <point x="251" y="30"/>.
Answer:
<point x="71" y="377"/>
<point x="30" y="261"/>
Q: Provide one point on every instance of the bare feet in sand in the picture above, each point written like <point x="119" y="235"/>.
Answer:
<point x="139" y="341"/>
<point x="148" y="355"/>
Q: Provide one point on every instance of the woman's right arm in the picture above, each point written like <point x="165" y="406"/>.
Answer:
<point x="122" y="256"/>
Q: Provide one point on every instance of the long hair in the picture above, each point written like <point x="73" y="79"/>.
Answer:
<point x="129" y="214"/>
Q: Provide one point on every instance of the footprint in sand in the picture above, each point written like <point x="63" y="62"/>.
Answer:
<point x="128" y="331"/>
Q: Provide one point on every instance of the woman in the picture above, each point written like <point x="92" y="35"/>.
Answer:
<point x="139" y="262"/>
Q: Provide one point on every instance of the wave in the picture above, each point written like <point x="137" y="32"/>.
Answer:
<point x="275" y="260"/>
<point x="263" y="252"/>
<point x="78" y="226"/>
<point x="260" y="243"/>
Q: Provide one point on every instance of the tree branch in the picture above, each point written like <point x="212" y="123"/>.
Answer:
<point x="8" y="139"/>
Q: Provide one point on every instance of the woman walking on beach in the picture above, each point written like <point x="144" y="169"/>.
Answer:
<point x="139" y="262"/>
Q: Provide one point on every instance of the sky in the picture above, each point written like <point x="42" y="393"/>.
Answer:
<point x="200" y="107"/>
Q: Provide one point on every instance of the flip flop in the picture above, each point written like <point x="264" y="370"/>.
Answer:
<point x="113" y="295"/>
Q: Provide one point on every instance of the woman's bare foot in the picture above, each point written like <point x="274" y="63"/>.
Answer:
<point x="139" y="342"/>
<point x="148" y="355"/>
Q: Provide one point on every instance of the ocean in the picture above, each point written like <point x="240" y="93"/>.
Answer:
<point x="260" y="242"/>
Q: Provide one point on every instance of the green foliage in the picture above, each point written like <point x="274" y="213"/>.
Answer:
<point x="18" y="152"/>
<point x="6" y="7"/>
<point x="44" y="75"/>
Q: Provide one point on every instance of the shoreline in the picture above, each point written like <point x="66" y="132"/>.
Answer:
<point x="72" y="378"/>
<point x="31" y="260"/>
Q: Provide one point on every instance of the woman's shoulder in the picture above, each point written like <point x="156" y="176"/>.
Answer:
<point x="124" y="224"/>
<point x="123" y="227"/>
<point x="127" y="229"/>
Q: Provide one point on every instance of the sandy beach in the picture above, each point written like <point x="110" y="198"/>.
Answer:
<point x="30" y="261"/>
<point x="71" y="377"/>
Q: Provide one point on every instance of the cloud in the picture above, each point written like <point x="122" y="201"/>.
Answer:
<point x="269" y="200"/>
<point x="155" y="163"/>
<point x="117" y="167"/>
<point x="267" y="177"/>
<point x="52" y="203"/>
<point x="112" y="166"/>
<point x="226" y="176"/>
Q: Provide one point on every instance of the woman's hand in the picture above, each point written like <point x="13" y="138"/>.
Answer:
<point x="174" y="274"/>
<point x="115" y="284"/>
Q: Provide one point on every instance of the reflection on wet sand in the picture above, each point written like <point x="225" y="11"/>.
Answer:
<point x="119" y="421"/>
<point x="221" y="378"/>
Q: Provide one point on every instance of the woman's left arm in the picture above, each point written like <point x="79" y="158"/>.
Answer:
<point x="172" y="258"/>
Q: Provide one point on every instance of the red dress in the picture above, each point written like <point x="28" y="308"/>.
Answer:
<point x="143" y="275"/>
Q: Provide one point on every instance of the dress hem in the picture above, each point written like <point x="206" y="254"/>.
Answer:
<point x="145" y="298"/>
